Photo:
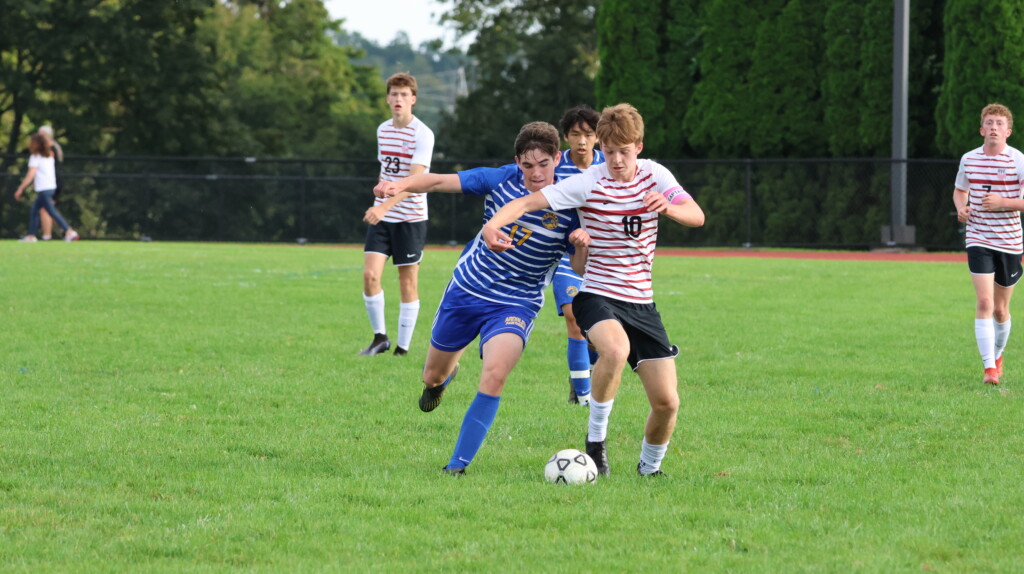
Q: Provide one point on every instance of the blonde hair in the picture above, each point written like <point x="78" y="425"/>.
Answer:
<point x="997" y="110"/>
<point x="620" y="125"/>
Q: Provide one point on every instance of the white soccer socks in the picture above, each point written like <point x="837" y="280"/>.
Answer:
<point x="375" y="310"/>
<point x="597" y="428"/>
<point x="407" y="315"/>
<point x="985" y="333"/>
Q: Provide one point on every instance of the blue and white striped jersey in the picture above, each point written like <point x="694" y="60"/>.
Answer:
<point x="517" y="276"/>
<point x="566" y="168"/>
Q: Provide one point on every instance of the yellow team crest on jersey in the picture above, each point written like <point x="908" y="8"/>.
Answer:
<point x="550" y="220"/>
<point x="571" y="290"/>
<point x="515" y="321"/>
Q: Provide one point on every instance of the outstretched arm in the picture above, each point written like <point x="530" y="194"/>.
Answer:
<point x="492" y="234"/>
<point x="375" y="214"/>
<point x="422" y="183"/>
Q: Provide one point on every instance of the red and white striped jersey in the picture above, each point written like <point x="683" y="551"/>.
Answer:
<point x="623" y="233"/>
<point x="397" y="150"/>
<point x="1001" y="174"/>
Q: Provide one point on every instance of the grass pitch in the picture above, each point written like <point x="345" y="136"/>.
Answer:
<point x="200" y="407"/>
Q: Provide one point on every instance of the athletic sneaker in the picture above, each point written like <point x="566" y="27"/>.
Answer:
<point x="71" y="235"/>
<point x="400" y="351"/>
<point x="597" y="452"/>
<point x="29" y="239"/>
<point x="658" y="472"/>
<point x="991" y="377"/>
<point x="380" y="344"/>
<point x="999" y="366"/>
<point x="457" y="471"/>
<point x="431" y="396"/>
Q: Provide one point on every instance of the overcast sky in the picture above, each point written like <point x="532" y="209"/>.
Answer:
<point x="380" y="20"/>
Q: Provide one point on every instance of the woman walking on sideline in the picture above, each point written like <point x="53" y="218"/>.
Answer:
<point x="42" y="174"/>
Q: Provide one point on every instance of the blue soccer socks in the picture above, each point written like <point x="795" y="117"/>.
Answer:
<point x="479" y="417"/>
<point x="579" y="367"/>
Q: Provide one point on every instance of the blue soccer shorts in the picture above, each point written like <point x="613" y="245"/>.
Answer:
<point x="462" y="316"/>
<point x="565" y="284"/>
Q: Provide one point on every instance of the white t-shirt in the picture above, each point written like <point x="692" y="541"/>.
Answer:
<point x="397" y="150"/>
<point x="46" y="174"/>
<point x="622" y="232"/>
<point x="1001" y="174"/>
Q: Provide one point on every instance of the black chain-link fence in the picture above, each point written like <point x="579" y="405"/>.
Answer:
<point x="749" y="203"/>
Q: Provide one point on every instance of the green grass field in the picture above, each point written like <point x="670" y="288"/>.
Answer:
<point x="201" y="407"/>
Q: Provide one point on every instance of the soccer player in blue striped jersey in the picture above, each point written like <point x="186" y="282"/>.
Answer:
<point x="493" y="295"/>
<point x="579" y="125"/>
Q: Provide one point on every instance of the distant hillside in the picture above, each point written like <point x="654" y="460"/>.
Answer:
<point x="441" y="74"/>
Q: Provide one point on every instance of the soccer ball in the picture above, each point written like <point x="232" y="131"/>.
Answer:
<point x="570" y="466"/>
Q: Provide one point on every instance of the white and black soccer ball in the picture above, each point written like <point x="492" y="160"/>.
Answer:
<point x="570" y="466"/>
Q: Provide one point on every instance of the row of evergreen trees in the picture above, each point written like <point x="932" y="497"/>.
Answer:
<point x="807" y="78"/>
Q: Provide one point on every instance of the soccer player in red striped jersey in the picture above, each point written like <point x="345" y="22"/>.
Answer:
<point x="619" y="203"/>
<point x="988" y="198"/>
<point x="397" y="225"/>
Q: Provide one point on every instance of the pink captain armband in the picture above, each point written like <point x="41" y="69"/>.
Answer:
<point x="677" y="196"/>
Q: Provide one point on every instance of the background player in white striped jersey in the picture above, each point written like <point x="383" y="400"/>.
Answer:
<point x="398" y="225"/>
<point x="987" y="197"/>
<point x="578" y="126"/>
<point x="619" y="202"/>
<point x="495" y="296"/>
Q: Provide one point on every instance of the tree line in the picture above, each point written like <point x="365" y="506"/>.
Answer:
<point x="715" y="79"/>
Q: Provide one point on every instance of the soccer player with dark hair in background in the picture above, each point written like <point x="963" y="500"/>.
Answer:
<point x="579" y="125"/>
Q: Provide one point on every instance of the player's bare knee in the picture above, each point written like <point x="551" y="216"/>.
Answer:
<point x="986" y="305"/>
<point x="665" y="406"/>
<point x="433" y="376"/>
<point x="616" y="355"/>
<point x="371" y="281"/>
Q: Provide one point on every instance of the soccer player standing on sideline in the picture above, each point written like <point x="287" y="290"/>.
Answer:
<point x="578" y="130"/>
<point x="619" y="202"/>
<point x="987" y="197"/>
<point x="495" y="296"/>
<point x="398" y="225"/>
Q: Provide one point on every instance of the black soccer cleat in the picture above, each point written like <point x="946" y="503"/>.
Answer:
<point x="456" y="471"/>
<point x="658" y="472"/>
<point x="380" y="344"/>
<point x="431" y="396"/>
<point x="400" y="351"/>
<point x="597" y="452"/>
